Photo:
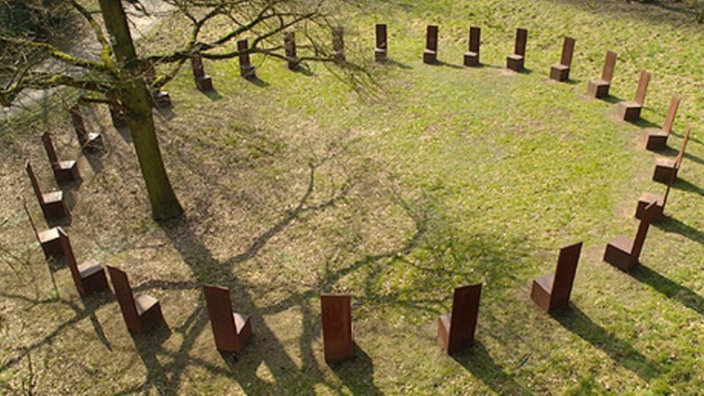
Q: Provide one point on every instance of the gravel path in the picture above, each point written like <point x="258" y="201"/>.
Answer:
<point x="140" y="26"/>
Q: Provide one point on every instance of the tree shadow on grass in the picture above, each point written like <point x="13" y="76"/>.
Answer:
<point x="482" y="366"/>
<point x="148" y="345"/>
<point x="619" y="351"/>
<point x="670" y="289"/>
<point x="91" y="304"/>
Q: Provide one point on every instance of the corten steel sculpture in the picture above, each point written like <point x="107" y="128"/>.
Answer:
<point x="516" y="61"/>
<point x="471" y="57"/>
<point x="630" y="110"/>
<point x="141" y="312"/>
<point x="89" y="277"/>
<point x="552" y="291"/>
<point x="246" y="68"/>
<point x="116" y="114"/>
<point x="623" y="252"/>
<point x="660" y="201"/>
<point x="665" y="168"/>
<point x="430" y="53"/>
<point x="456" y="330"/>
<point x="290" y="50"/>
<point x="338" y="44"/>
<point x="600" y="88"/>
<point x="231" y="330"/>
<point x="338" y="335"/>
<point x="64" y="171"/>
<point x="49" y="240"/>
<point x="380" y="50"/>
<point x="204" y="83"/>
<point x="656" y="139"/>
<point x="161" y="99"/>
<point x="52" y="203"/>
<point x="561" y="71"/>
<point x="90" y="142"/>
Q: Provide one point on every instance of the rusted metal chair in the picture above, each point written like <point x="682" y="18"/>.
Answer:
<point x="204" y="83"/>
<point x="552" y="291"/>
<point x="623" y="252"/>
<point x="660" y="201"/>
<point x="338" y="335"/>
<point x="49" y="239"/>
<point x="471" y="57"/>
<point x="456" y="330"/>
<point x="666" y="169"/>
<point x="89" y="277"/>
<point x="630" y="109"/>
<point x="338" y="44"/>
<point x="516" y="61"/>
<point x="246" y="68"/>
<point x="140" y="312"/>
<point x="380" y="51"/>
<point x="231" y="330"/>
<point x="90" y="142"/>
<point x="600" y="88"/>
<point x="53" y="204"/>
<point x="561" y="71"/>
<point x="64" y="171"/>
<point x="656" y="138"/>
<point x="430" y="53"/>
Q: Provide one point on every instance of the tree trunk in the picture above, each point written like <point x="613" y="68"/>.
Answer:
<point x="136" y="102"/>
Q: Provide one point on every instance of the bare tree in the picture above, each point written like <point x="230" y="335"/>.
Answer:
<point x="115" y="73"/>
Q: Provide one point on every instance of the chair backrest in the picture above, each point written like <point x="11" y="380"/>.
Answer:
<point x="219" y="304"/>
<point x="49" y="148"/>
<point x="475" y="35"/>
<point x="565" y="271"/>
<point x="380" y="30"/>
<point x="680" y="155"/>
<point x="463" y="321"/>
<point x="197" y="66"/>
<point x="431" y="38"/>
<point x="78" y="124"/>
<point x="671" y="112"/>
<point x="609" y="64"/>
<point x="35" y="183"/>
<point x="337" y="325"/>
<point x="642" y="87"/>
<point x="521" y="40"/>
<point x="290" y="44"/>
<point x="71" y="260"/>
<point x="125" y="298"/>
<point x="243" y="45"/>
<point x="567" y="51"/>
<point x="338" y="39"/>
<point x="643" y="230"/>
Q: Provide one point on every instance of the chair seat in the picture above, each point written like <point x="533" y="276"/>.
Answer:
<point x="53" y="196"/>
<point x="560" y="66"/>
<point x="65" y="164"/>
<point x="655" y="132"/>
<point x="546" y="281"/>
<point x="650" y="197"/>
<point x="240" y="321"/>
<point x="600" y="83"/>
<point x="144" y="302"/>
<point x="515" y="57"/>
<point x="622" y="243"/>
<point x="48" y="235"/>
<point x="89" y="267"/>
<point x="665" y="162"/>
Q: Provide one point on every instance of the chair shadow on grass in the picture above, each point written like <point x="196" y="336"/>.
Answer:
<point x="147" y="346"/>
<point x="671" y="224"/>
<point x="482" y="366"/>
<point x="622" y="353"/>
<point x="669" y="289"/>
<point x="685" y="185"/>
<point x="693" y="158"/>
<point x="643" y="123"/>
<point x="612" y="99"/>
<point x="257" y="82"/>
<point x="213" y="94"/>
<point x="357" y="374"/>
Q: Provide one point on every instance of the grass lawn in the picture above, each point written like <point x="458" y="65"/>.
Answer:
<point x="430" y="178"/>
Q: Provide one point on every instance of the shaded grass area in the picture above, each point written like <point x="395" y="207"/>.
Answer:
<point x="438" y="176"/>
